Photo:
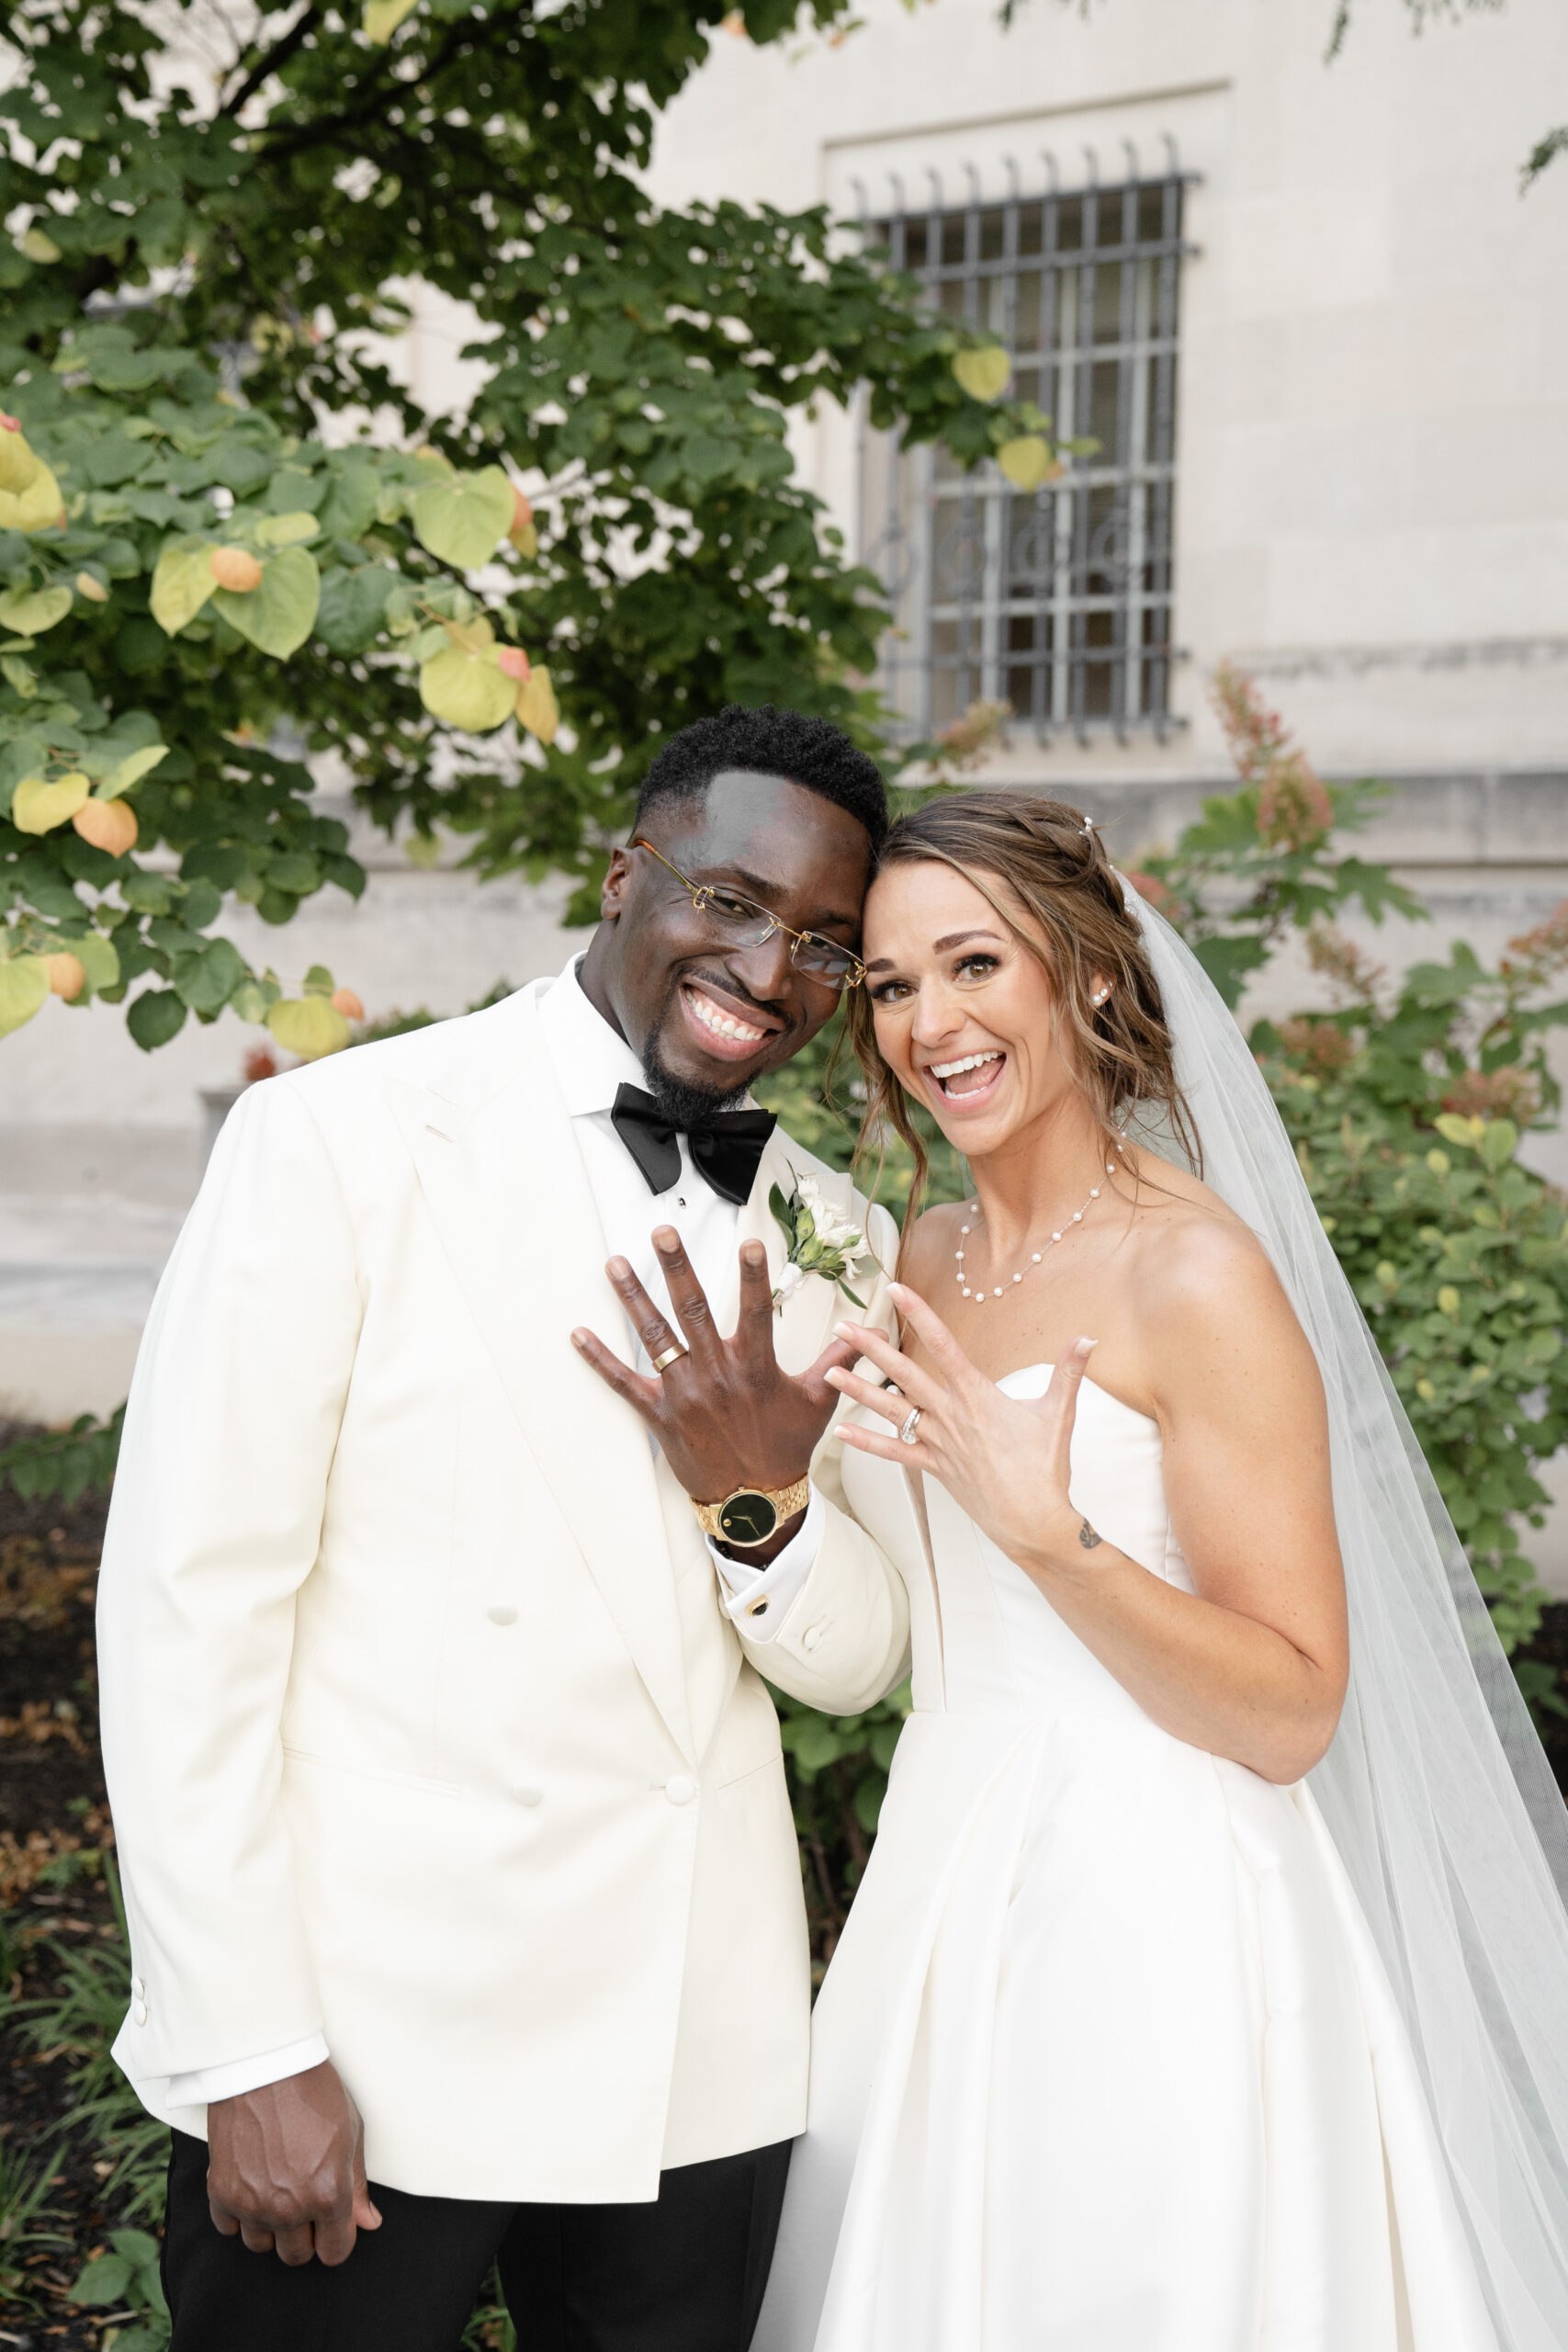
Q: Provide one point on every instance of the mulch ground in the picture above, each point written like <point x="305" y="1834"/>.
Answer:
<point x="51" y="1805"/>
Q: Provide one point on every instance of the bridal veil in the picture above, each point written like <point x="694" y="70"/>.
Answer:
<point x="1435" y="1788"/>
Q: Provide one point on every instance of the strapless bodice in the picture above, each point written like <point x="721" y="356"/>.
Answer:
<point x="990" y="1638"/>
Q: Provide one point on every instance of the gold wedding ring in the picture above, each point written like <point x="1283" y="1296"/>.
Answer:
<point x="669" y="1356"/>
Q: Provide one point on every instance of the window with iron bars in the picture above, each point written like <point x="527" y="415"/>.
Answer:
<point x="1057" y="602"/>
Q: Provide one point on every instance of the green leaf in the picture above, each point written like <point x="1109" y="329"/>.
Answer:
<point x="279" y="616"/>
<point x="286" y="530"/>
<point x="182" y="583"/>
<point x="463" y="518"/>
<point x="24" y="985"/>
<point x="138" y="2247"/>
<point x="1498" y="1143"/>
<point x="155" y="1016"/>
<point x="130" y="770"/>
<point x="30" y="613"/>
<point x="102" y="2281"/>
<point x="206" y="982"/>
<point x="100" y="961"/>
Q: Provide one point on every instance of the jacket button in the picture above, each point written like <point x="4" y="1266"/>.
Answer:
<point x="139" y="2011"/>
<point x="679" y="1791"/>
<point x="811" y="1636"/>
<point x="529" y="1793"/>
<point x="501" y="1613"/>
<point x="138" y="1989"/>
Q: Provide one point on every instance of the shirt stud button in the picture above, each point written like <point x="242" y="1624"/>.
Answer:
<point x="679" y="1791"/>
<point x="758" y="1608"/>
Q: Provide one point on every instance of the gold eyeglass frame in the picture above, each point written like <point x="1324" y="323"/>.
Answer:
<point x="702" y="895"/>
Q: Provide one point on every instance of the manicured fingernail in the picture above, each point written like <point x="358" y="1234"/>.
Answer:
<point x="847" y="1330"/>
<point x="1085" y="1344"/>
<point x="835" y="1378"/>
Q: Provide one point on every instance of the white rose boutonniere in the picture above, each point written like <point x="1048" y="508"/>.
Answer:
<point x="821" y="1241"/>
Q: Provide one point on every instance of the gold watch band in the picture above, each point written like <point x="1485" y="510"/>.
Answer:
<point x="785" y="1500"/>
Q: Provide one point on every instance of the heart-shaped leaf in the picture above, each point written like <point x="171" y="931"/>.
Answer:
<point x="983" y="374"/>
<point x="463" y="518"/>
<point x="468" y="690"/>
<point x="110" y="825"/>
<point x="38" y="807"/>
<point x="182" y="583"/>
<point x="34" y="508"/>
<point x="279" y="616"/>
<point x="24" y="985"/>
<point x="309" y="1026"/>
<point x="30" y="613"/>
<point x="1027" y="462"/>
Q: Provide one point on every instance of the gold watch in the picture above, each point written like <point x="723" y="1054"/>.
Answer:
<point x="751" y="1514"/>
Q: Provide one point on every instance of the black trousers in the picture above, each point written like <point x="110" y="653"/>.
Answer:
<point x="686" y="2273"/>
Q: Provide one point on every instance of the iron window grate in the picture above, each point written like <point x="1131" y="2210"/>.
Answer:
<point x="1057" y="602"/>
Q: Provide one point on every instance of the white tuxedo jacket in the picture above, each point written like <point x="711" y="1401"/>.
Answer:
<point x="423" y="1725"/>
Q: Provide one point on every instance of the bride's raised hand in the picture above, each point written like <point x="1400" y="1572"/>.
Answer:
<point x="1004" y="1460"/>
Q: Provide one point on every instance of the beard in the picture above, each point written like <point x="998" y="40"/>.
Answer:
<point x="684" y="1103"/>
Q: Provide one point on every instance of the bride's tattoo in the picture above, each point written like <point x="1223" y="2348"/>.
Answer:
<point x="1088" y="1537"/>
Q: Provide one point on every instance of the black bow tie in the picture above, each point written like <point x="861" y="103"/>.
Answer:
<point x="727" y="1151"/>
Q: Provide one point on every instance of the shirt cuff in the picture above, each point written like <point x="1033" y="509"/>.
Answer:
<point x="758" y="1600"/>
<point x="204" y="2086"/>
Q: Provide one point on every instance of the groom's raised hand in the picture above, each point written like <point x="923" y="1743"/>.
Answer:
<point x="725" y="1413"/>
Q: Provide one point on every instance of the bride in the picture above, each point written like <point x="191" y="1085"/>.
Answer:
<point x="1205" y="1992"/>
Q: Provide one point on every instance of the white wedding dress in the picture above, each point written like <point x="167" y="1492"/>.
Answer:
<point x="1106" y="2059"/>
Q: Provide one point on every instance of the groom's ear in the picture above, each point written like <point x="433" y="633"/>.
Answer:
<point x="612" y="889"/>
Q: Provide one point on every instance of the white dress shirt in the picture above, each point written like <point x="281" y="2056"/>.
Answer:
<point x="591" y="1061"/>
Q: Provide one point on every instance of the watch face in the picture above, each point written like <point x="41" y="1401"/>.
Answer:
<point x="747" y="1518"/>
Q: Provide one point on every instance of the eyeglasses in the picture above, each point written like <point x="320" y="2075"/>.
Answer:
<point x="739" y="922"/>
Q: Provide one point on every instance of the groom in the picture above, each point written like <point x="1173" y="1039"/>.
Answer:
<point x="463" y="1899"/>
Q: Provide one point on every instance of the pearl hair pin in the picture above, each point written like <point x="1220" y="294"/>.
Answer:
<point x="977" y="1293"/>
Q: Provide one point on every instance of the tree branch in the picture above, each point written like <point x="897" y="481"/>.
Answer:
<point x="276" y="59"/>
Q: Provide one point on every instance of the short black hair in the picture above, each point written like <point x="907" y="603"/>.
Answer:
<point x="811" y="752"/>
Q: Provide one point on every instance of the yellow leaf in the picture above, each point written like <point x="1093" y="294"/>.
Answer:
<point x="182" y="583"/>
<point x="536" y="708"/>
<point x="38" y="807"/>
<point x="19" y="467"/>
<point x="1027" y="462"/>
<point x="382" y="18"/>
<point x="286" y="530"/>
<point x="983" y="374"/>
<point x="30" y="612"/>
<point x="35" y="508"/>
<point x="309" y="1026"/>
<point x="468" y="690"/>
<point x="24" y="985"/>
<point x="1448" y="1299"/>
<point x="39" y="245"/>
<point x="91" y="588"/>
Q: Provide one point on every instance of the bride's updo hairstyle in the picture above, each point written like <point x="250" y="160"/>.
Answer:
<point x="1045" y="874"/>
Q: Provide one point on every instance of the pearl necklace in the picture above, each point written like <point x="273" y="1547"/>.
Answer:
<point x="978" y="1293"/>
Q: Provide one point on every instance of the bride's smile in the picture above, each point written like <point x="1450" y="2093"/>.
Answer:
<point x="964" y="1014"/>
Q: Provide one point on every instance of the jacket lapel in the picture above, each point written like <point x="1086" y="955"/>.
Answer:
<point x="804" y="1327"/>
<point x="510" y="1197"/>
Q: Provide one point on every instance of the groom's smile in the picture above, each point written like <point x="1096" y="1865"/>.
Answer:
<point x="675" y="968"/>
